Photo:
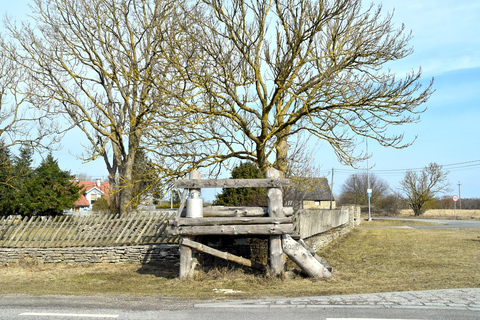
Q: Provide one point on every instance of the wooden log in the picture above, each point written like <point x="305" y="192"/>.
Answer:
<point x="275" y="209"/>
<point x="232" y="183"/>
<point x="229" y="221"/>
<point x="187" y="265"/>
<point x="220" y="254"/>
<point x="303" y="258"/>
<point x="222" y="211"/>
<point x="258" y="229"/>
<point x="274" y="195"/>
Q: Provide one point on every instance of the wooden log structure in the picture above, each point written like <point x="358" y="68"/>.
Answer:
<point x="271" y="221"/>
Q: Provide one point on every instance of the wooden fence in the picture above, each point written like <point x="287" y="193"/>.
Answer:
<point x="90" y="230"/>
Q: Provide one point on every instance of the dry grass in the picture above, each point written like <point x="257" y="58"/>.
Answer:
<point x="366" y="260"/>
<point x="463" y="214"/>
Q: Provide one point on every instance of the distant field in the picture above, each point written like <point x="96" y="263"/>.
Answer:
<point x="446" y="214"/>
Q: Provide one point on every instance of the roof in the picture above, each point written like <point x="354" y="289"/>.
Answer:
<point x="82" y="202"/>
<point x="320" y="192"/>
<point x="89" y="185"/>
<point x="104" y="187"/>
<point x="310" y="189"/>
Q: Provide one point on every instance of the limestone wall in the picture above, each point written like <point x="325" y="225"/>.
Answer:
<point x="130" y="254"/>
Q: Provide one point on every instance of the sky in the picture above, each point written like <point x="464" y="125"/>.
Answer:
<point x="446" y="46"/>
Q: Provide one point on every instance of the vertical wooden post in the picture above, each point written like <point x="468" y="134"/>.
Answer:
<point x="275" y="209"/>
<point x="187" y="264"/>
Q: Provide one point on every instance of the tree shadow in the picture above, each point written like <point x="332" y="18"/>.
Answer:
<point x="161" y="261"/>
<point x="161" y="269"/>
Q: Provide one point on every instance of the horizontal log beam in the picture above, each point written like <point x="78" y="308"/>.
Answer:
<point x="229" y="221"/>
<point x="221" y="211"/>
<point x="258" y="229"/>
<point x="232" y="183"/>
<point x="220" y="254"/>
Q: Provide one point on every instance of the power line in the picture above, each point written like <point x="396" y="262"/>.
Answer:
<point x="467" y="165"/>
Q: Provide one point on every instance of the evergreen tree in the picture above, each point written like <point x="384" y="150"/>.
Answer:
<point x="7" y="187"/>
<point x="243" y="196"/>
<point x="51" y="189"/>
<point x="23" y="174"/>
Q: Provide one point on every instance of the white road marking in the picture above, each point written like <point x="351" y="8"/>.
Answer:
<point x="47" y="314"/>
<point x="365" y="319"/>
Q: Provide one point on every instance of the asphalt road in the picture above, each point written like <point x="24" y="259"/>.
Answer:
<point x="442" y="224"/>
<point x="438" y="304"/>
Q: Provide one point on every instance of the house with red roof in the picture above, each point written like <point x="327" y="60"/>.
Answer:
<point x="91" y="191"/>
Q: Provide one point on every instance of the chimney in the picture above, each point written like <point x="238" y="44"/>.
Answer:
<point x="98" y="182"/>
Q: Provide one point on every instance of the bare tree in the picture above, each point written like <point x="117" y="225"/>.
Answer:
<point x="20" y="121"/>
<point x="354" y="189"/>
<point x="421" y="188"/>
<point x="98" y="64"/>
<point x="267" y="70"/>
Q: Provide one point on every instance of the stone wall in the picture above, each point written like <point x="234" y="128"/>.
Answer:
<point x="132" y="254"/>
<point x="327" y="226"/>
<point x="319" y="240"/>
<point x="310" y="222"/>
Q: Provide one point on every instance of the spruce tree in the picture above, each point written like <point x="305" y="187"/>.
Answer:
<point x="243" y="196"/>
<point x="51" y="189"/>
<point x="7" y="187"/>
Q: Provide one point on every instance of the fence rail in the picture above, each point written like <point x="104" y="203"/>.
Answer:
<point x="91" y="230"/>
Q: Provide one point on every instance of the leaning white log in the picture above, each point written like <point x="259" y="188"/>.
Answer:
<point x="303" y="258"/>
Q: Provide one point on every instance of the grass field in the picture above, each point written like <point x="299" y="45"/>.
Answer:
<point x="366" y="260"/>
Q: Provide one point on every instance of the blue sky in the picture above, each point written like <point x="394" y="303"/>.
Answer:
<point x="446" y="45"/>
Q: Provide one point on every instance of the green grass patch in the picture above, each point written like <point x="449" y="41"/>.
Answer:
<point x="364" y="261"/>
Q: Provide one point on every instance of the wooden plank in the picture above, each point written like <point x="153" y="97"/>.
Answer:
<point x="59" y="229"/>
<point x="18" y="229"/>
<point x="71" y="223"/>
<point x="35" y="229"/>
<point x="231" y="183"/>
<point x="20" y="236"/>
<point x="125" y="226"/>
<point x="9" y="226"/>
<point x="160" y="231"/>
<point x="101" y="224"/>
<point x="144" y="229"/>
<point x="259" y="229"/>
<point x="221" y="254"/>
<point x="133" y="227"/>
<point x="79" y="234"/>
<point x="229" y="221"/>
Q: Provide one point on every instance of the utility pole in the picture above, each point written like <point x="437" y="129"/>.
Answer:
<point x="369" y="191"/>
<point x="459" y="196"/>
<point x="331" y="191"/>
